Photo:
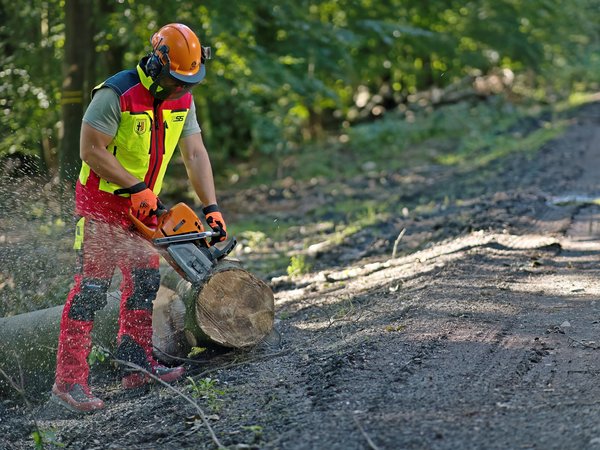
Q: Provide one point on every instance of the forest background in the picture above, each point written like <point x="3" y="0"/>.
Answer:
<point x="297" y="91"/>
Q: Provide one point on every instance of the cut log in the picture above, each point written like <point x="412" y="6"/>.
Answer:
<point x="232" y="308"/>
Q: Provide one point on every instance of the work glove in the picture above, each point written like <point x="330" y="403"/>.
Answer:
<point x="144" y="202"/>
<point x="214" y="219"/>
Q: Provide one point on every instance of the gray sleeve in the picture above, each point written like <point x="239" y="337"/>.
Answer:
<point x="191" y="125"/>
<point x="104" y="112"/>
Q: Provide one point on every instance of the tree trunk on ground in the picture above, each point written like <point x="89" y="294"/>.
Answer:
<point x="232" y="309"/>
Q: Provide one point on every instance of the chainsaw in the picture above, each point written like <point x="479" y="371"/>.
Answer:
<point x="181" y="239"/>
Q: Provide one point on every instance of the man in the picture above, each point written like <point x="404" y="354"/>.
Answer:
<point x="130" y="131"/>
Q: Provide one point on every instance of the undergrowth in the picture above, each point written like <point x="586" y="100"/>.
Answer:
<point x="466" y="132"/>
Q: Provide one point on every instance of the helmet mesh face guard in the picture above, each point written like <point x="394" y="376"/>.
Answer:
<point x="176" y="63"/>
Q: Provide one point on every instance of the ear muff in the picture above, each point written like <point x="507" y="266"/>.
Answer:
<point x="155" y="65"/>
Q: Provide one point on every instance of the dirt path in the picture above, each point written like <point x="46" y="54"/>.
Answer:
<point x="486" y="339"/>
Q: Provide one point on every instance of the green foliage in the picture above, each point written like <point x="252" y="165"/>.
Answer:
<point x="43" y="438"/>
<point x="286" y="73"/>
<point x="195" y="351"/>
<point x="207" y="389"/>
<point x="452" y="134"/>
<point x="98" y="354"/>
<point x="298" y="266"/>
<point x="30" y="44"/>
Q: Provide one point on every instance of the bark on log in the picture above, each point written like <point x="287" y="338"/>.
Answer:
<point x="232" y="309"/>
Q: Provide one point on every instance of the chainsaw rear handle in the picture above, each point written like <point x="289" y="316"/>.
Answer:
<point x="144" y="229"/>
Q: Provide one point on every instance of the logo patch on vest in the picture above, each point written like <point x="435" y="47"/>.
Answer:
<point x="140" y="126"/>
<point x="179" y="118"/>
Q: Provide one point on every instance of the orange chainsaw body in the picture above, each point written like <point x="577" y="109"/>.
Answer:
<point x="181" y="239"/>
<point x="180" y="219"/>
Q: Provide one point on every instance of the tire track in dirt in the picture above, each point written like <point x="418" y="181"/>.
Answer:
<point x="481" y="370"/>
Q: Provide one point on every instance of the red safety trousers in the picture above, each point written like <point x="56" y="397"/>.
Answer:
<point x="104" y="246"/>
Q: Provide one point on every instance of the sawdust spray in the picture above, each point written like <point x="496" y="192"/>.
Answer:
<point x="37" y="230"/>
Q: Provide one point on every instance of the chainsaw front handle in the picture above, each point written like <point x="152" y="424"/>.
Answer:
<point x="220" y="253"/>
<point x="160" y="209"/>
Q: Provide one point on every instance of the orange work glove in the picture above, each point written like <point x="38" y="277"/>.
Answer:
<point x="144" y="202"/>
<point x="214" y="219"/>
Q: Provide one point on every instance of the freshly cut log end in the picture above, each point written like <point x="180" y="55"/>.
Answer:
<point x="232" y="309"/>
<point x="235" y="309"/>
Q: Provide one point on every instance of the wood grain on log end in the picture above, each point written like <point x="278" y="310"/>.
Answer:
<point x="235" y="309"/>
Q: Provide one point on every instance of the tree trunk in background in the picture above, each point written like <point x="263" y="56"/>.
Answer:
<point x="47" y="153"/>
<point x="231" y="309"/>
<point x="91" y="58"/>
<point x="112" y="59"/>
<point x="77" y="20"/>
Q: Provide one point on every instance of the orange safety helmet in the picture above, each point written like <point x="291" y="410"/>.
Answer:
<point x="176" y="63"/>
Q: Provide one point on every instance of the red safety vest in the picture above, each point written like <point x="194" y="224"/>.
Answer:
<point x="147" y="136"/>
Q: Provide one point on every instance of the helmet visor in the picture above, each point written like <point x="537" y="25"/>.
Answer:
<point x="174" y="87"/>
<point x="173" y="84"/>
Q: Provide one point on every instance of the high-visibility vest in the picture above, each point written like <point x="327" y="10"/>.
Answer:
<point x="148" y="131"/>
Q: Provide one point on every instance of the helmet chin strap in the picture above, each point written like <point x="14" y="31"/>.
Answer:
<point x="158" y="92"/>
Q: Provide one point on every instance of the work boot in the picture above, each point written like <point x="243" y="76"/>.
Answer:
<point x="75" y="397"/>
<point x="164" y="373"/>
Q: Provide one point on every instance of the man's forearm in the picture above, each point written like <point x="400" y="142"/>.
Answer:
<point x="199" y="169"/>
<point x="109" y="168"/>
<point x="200" y="174"/>
<point x="92" y="150"/>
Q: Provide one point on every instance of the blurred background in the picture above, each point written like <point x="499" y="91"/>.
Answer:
<point x="297" y="91"/>
<point x="291" y="72"/>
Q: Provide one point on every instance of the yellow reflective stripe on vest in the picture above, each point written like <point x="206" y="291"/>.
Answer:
<point x="173" y="122"/>
<point x="84" y="173"/>
<point x="79" y="228"/>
